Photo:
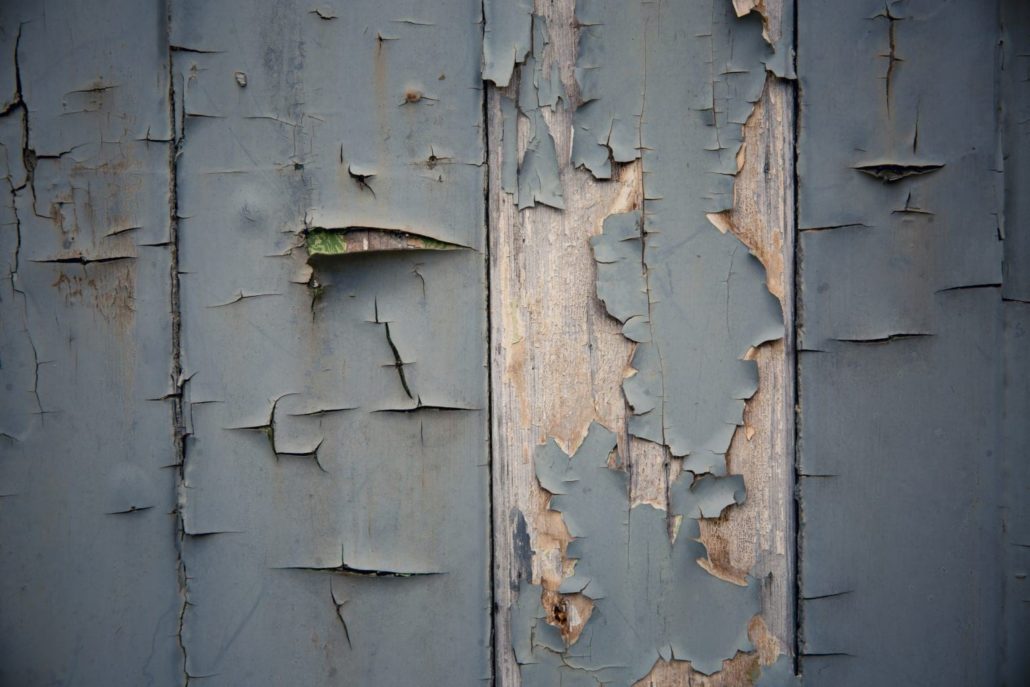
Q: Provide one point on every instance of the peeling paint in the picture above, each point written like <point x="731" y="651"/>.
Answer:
<point x="507" y="37"/>
<point x="694" y="326"/>
<point x="539" y="180"/>
<point x="610" y="71"/>
<point x="621" y="283"/>
<point x="627" y="566"/>
<point x="693" y="298"/>
<point x="88" y="563"/>
<point x="244" y="350"/>
<point x="335" y="485"/>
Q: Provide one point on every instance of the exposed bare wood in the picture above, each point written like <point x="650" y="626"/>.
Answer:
<point x="558" y="360"/>
<point x="742" y="669"/>
<point x="758" y="536"/>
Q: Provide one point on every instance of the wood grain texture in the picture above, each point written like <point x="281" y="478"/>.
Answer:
<point x="558" y="361"/>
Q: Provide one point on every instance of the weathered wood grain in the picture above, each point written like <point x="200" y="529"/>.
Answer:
<point x="557" y="358"/>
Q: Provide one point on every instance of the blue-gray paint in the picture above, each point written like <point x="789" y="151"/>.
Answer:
<point x="1015" y="291"/>
<point x="648" y="593"/>
<point x="507" y="38"/>
<point x="88" y="588"/>
<point x="164" y="167"/>
<point x="322" y="519"/>
<point x="610" y="63"/>
<point x="693" y="298"/>
<point x="538" y="177"/>
<point x="335" y="479"/>
<point x="911" y="472"/>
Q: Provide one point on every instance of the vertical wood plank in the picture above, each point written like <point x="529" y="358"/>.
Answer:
<point x="558" y="361"/>
<point x="335" y="495"/>
<point x="758" y="536"/>
<point x="902" y="238"/>
<point x="88" y="558"/>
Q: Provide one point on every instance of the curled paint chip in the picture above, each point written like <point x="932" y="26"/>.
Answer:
<point x="621" y="284"/>
<point x="889" y="172"/>
<point x="539" y="177"/>
<point x="506" y="38"/>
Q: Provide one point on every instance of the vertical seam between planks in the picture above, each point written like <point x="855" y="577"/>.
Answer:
<point x="487" y="265"/>
<point x="178" y="422"/>
<point x="794" y="357"/>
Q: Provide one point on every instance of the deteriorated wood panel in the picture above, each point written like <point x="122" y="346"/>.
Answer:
<point x="244" y="338"/>
<point x="361" y="342"/>
<point x="559" y="356"/>
<point x="335" y="477"/>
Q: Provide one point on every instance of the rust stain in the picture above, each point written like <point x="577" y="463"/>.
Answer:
<point x="109" y="288"/>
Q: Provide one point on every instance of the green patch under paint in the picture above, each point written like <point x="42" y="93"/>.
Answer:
<point x="321" y="242"/>
<point x="337" y="242"/>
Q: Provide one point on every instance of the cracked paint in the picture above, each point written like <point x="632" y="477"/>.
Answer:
<point x="902" y="323"/>
<point x="507" y="38"/>
<point x="689" y="294"/>
<point x="244" y="349"/>
<point x="539" y="180"/>
<point x="85" y="349"/>
<point x="610" y="72"/>
<point x="533" y="176"/>
<point x="693" y="298"/>
<point x="627" y="566"/>
<point x="337" y="398"/>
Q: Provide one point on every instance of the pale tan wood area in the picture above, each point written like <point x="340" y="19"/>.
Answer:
<point x="558" y="361"/>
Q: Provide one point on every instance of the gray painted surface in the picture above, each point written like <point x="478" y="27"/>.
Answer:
<point x="1015" y="290"/>
<point x="88" y="589"/>
<point x="704" y="301"/>
<point x="335" y="480"/>
<point x="610" y="65"/>
<point x="1016" y="483"/>
<point x="538" y="174"/>
<point x="507" y="38"/>
<point x="908" y="510"/>
<point x="332" y="478"/>
<point x="898" y="489"/>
